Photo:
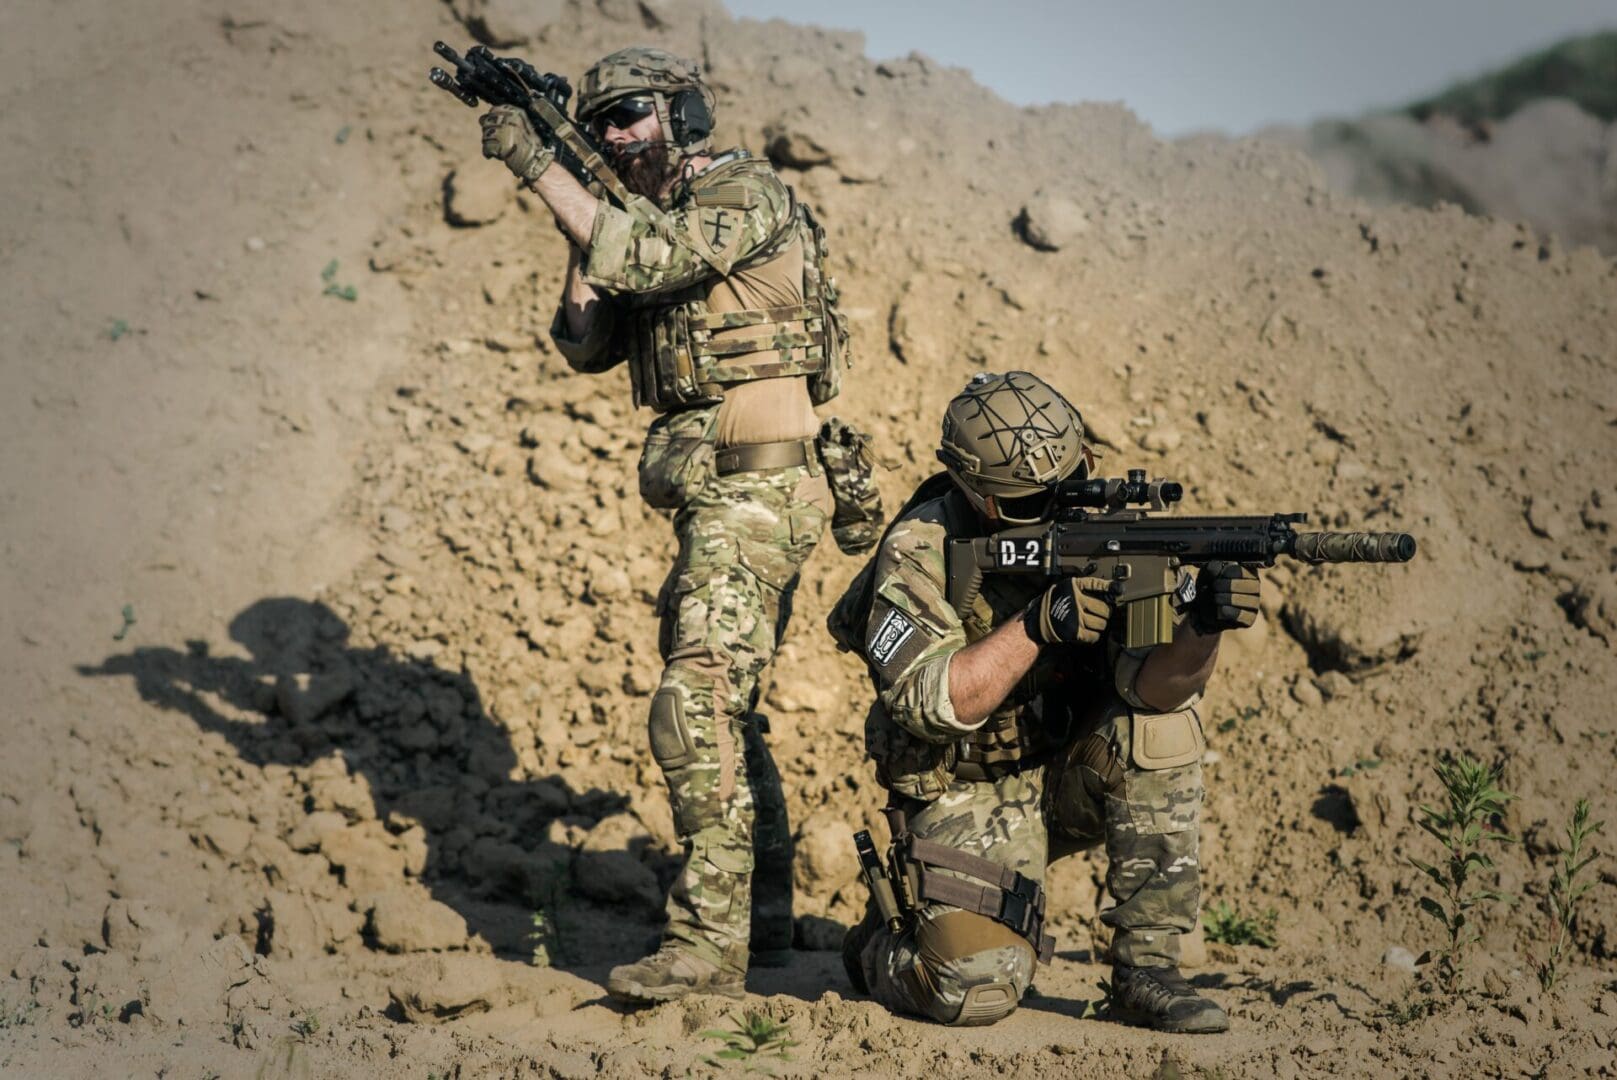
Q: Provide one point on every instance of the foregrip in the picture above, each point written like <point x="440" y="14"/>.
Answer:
<point x="1321" y="547"/>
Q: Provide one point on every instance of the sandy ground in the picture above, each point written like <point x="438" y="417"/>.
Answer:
<point x="382" y="696"/>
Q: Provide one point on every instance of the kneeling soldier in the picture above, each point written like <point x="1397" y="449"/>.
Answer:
<point x="1013" y="729"/>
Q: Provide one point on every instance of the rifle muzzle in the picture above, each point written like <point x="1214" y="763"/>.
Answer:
<point x="1322" y="547"/>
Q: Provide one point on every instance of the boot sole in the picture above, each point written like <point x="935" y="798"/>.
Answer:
<point x="636" y="994"/>
<point x="1169" y="1027"/>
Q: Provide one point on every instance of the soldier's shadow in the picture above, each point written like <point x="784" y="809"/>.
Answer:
<point x="430" y="755"/>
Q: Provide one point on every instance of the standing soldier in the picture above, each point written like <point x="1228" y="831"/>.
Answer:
<point x="1014" y="729"/>
<point x="709" y="286"/>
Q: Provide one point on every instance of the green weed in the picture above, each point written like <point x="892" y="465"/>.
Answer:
<point x="1362" y="765"/>
<point x="1474" y="799"/>
<point x="1222" y="924"/>
<point x="118" y="329"/>
<point x="12" y="1016"/>
<point x="341" y="292"/>
<point x="1228" y="723"/>
<point x="756" y="1035"/>
<point x="1566" y="890"/>
<point x="1097" y="1009"/>
<point x="129" y="620"/>
<point x="306" y="1025"/>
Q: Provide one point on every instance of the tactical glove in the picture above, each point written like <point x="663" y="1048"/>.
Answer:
<point x="508" y="136"/>
<point x="1074" y="611"/>
<point x="1226" y="598"/>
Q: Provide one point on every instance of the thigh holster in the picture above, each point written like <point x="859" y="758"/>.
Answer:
<point x="1006" y="896"/>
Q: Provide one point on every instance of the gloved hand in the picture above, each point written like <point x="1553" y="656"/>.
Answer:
<point x="1226" y="598"/>
<point x="1074" y="611"/>
<point x="508" y="136"/>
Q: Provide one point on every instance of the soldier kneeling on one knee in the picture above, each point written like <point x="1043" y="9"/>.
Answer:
<point x="1010" y="729"/>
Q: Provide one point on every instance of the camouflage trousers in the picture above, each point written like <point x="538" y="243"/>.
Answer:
<point x="960" y="967"/>
<point x="742" y="540"/>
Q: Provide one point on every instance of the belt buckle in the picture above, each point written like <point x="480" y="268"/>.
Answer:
<point x="1016" y="904"/>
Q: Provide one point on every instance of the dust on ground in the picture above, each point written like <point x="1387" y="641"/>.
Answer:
<point x="329" y="631"/>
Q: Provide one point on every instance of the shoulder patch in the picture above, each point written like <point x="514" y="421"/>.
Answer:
<point x="731" y="195"/>
<point x="890" y="636"/>
<point x="718" y="231"/>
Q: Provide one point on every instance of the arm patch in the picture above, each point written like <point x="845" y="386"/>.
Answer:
<point x="895" y="640"/>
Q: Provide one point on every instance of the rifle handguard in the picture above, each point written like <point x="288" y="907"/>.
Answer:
<point x="1322" y="547"/>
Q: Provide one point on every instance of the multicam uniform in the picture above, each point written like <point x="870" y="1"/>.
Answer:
<point x="715" y="305"/>
<point x="1063" y="763"/>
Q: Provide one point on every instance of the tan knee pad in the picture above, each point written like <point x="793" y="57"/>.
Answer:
<point x="947" y="946"/>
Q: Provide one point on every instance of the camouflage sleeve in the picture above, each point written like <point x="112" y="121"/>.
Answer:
<point x="724" y="224"/>
<point x="913" y="634"/>
<point x="587" y="354"/>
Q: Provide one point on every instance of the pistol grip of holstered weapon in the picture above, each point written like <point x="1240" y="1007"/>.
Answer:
<point x="876" y="879"/>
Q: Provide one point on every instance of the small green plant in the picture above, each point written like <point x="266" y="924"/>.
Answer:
<point x="1222" y="924"/>
<point x="1533" y="656"/>
<point x="341" y="292"/>
<point x="1097" y="1009"/>
<point x="306" y="1025"/>
<point x="1229" y="722"/>
<point x="1409" y="1010"/>
<point x="1361" y="765"/>
<point x="548" y="939"/>
<point x="118" y="329"/>
<point x="129" y="620"/>
<point x="17" y="1015"/>
<point x="1474" y="800"/>
<point x="343" y="133"/>
<point x="1566" y="890"/>
<point x="755" y="1035"/>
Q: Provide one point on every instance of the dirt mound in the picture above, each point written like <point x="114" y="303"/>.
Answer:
<point x="374" y="739"/>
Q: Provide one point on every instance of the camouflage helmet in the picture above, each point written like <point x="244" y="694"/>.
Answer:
<point x="1009" y="440"/>
<point x="683" y="102"/>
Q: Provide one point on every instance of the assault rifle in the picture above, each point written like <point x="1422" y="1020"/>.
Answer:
<point x="482" y="78"/>
<point x="1095" y="531"/>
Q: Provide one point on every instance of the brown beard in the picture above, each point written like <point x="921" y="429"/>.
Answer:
<point x="647" y="172"/>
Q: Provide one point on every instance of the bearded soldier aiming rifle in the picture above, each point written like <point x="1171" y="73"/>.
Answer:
<point x="704" y="275"/>
<point x="1038" y="648"/>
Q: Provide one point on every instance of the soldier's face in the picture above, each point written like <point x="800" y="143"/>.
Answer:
<point x="644" y="172"/>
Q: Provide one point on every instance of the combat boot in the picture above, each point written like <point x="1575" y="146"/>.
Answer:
<point x="1160" y="998"/>
<point x="771" y="944"/>
<point x="669" y="973"/>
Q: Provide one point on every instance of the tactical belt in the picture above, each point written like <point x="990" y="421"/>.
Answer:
<point x="763" y="457"/>
<point x="1008" y="896"/>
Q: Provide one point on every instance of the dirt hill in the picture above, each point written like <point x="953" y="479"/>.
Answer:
<point x="331" y="634"/>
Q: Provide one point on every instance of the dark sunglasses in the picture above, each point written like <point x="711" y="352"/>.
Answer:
<point x="1034" y="507"/>
<point x="622" y="114"/>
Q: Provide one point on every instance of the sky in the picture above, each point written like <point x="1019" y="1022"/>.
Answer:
<point x="1224" y="65"/>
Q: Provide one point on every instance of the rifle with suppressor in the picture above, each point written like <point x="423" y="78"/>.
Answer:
<point x="1095" y="531"/>
<point x="482" y="78"/>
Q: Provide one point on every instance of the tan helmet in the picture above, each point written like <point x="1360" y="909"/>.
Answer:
<point x="683" y="102"/>
<point x="1008" y="441"/>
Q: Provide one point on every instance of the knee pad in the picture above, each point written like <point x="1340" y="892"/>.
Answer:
<point x="671" y="743"/>
<point x="971" y="959"/>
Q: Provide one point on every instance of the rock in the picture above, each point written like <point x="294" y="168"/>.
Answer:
<point x="479" y="195"/>
<point x="443" y="987"/>
<point x="299" y="927"/>
<point x="224" y="836"/>
<point x="1307" y="694"/>
<point x="1592" y="605"/>
<point x="304" y="698"/>
<point x="1105" y="430"/>
<point x="311" y="831"/>
<point x="1162" y="440"/>
<point x="403" y="920"/>
<point x="255" y="243"/>
<point x="503" y="23"/>
<point x="1333" y="684"/>
<point x="1399" y="959"/>
<point x="131" y="926"/>
<point x="617" y="877"/>
<point x="1051" y="222"/>
<point x="825" y="856"/>
<point x="1546" y="520"/>
<point x="366" y="858"/>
